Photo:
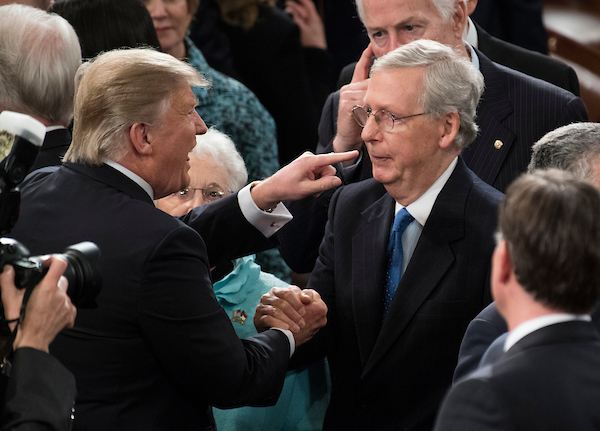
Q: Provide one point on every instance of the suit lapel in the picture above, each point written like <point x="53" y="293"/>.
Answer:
<point x="369" y="254"/>
<point x="431" y="260"/>
<point x="486" y="155"/>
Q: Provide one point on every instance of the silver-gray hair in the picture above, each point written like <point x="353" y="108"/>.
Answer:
<point x="39" y="56"/>
<point x="570" y="148"/>
<point x="451" y="82"/>
<point x="118" y="89"/>
<point x="446" y="8"/>
<point x="222" y="149"/>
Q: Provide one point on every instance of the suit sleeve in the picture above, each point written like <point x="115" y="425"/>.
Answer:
<point x="480" y="334"/>
<point x="226" y="232"/>
<point x="328" y="123"/>
<point x="574" y="111"/>
<point x="473" y="405"/>
<point x="192" y="336"/>
<point x="40" y="394"/>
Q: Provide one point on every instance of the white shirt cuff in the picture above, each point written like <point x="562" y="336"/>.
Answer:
<point x="290" y="336"/>
<point x="267" y="223"/>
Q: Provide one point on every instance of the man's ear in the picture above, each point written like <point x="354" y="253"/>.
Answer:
<point x="140" y="142"/>
<point x="450" y="127"/>
<point x="505" y="265"/>
<point x="459" y="19"/>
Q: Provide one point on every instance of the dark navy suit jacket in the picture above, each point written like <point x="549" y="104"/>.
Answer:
<point x="548" y="381"/>
<point x="56" y="143"/>
<point x="393" y="375"/>
<point x="39" y="395"/>
<point x="159" y="349"/>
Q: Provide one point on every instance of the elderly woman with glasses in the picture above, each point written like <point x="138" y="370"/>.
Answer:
<point x="216" y="170"/>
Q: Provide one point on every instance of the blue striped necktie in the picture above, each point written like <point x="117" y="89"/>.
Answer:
<point x="395" y="256"/>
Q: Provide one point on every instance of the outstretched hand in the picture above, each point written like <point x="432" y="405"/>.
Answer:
<point x="308" y="175"/>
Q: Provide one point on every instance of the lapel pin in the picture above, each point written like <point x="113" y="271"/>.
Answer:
<point x="498" y="144"/>
<point x="239" y="316"/>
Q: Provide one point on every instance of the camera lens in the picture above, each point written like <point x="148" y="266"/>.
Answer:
<point x="84" y="278"/>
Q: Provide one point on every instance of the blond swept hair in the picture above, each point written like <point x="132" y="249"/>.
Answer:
<point x="118" y="89"/>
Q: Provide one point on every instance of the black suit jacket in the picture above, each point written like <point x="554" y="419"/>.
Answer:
<point x="159" y="349"/>
<point x="549" y="380"/>
<point x="56" y="143"/>
<point x="393" y="375"/>
<point x="40" y="393"/>
<point x="480" y="334"/>
<point x="529" y="62"/>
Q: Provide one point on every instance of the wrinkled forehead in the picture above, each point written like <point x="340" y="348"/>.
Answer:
<point x="382" y="13"/>
<point x="399" y="90"/>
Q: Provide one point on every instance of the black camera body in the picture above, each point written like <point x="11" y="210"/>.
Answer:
<point x="21" y="137"/>
<point x="84" y="278"/>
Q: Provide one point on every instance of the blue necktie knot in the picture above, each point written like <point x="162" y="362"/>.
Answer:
<point x="395" y="255"/>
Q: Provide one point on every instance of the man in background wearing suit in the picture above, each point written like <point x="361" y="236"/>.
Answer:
<point x="574" y="148"/>
<point x="507" y="54"/>
<point x="529" y="62"/>
<point x="392" y="355"/>
<point x="39" y="54"/>
<point x="514" y="111"/>
<point x="546" y="282"/>
<point x="159" y="350"/>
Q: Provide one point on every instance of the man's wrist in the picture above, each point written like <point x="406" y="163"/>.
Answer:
<point x="262" y="207"/>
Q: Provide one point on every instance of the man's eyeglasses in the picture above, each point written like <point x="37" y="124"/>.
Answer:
<point x="384" y="119"/>
<point x="209" y="194"/>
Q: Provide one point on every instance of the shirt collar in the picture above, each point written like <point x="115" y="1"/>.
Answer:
<point x="53" y="128"/>
<point x="473" y="55"/>
<point x="472" y="37"/>
<point x="132" y="176"/>
<point x="533" y="325"/>
<point x="421" y="208"/>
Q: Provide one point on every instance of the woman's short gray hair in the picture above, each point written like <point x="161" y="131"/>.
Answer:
<point x="451" y="82"/>
<point x="222" y="149"/>
<point x="118" y="89"/>
<point x="39" y="56"/>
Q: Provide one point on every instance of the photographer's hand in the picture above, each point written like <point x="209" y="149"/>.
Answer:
<point x="48" y="310"/>
<point x="12" y="298"/>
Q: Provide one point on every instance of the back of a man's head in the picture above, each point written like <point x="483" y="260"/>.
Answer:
<point x="551" y="223"/>
<point x="118" y="89"/>
<point x="574" y="148"/>
<point x="39" y="54"/>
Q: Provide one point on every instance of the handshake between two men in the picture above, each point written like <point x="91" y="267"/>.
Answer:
<point x="303" y="312"/>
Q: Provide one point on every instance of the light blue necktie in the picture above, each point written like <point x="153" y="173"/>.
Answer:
<point x="395" y="256"/>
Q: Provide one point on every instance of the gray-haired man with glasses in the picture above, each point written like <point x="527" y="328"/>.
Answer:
<point x="404" y="263"/>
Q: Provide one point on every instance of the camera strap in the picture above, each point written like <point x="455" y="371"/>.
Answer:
<point x="7" y="349"/>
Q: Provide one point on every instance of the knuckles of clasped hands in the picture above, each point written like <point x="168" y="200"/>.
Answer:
<point x="302" y="311"/>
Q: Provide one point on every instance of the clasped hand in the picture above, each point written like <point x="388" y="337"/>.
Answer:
<point x="301" y="311"/>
